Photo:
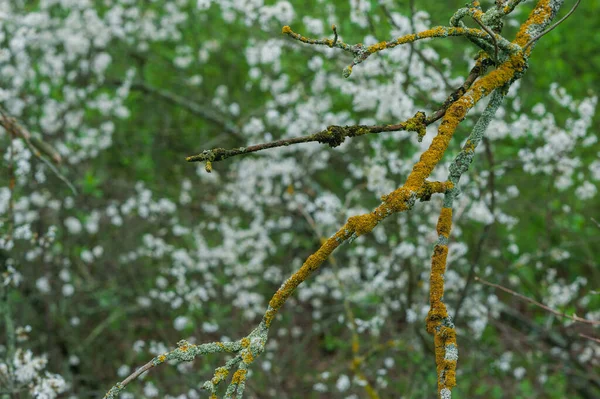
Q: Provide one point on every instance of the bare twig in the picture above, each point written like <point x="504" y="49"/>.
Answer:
<point x="538" y="304"/>
<point x="592" y="338"/>
<point x="189" y="105"/>
<point x="39" y="148"/>
<point x="14" y="128"/>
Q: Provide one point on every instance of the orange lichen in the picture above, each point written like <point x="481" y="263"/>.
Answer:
<point x="541" y="14"/>
<point x="476" y="13"/>
<point x="238" y="377"/>
<point x="184" y="348"/>
<point x="248" y="357"/>
<point x="363" y="224"/>
<point x="429" y="188"/>
<point x="445" y="222"/>
<point x="437" y="317"/>
<point x="220" y="374"/>
<point x="270" y="314"/>
<point x="438" y="31"/>
<point x="377" y="47"/>
<point x="310" y="265"/>
<point x="433" y="32"/>
<point x="438" y="267"/>
<point x="469" y="146"/>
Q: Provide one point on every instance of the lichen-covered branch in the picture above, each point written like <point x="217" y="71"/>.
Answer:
<point x="553" y="26"/>
<point x="332" y="136"/>
<point x="439" y="322"/>
<point x="335" y="135"/>
<point x="362" y="52"/>
<point x="249" y="347"/>
<point x="512" y="63"/>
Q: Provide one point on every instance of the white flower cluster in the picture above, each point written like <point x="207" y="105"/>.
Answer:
<point x="29" y="371"/>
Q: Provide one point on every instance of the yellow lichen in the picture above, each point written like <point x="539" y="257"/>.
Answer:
<point x="538" y="16"/>
<point x="377" y="47"/>
<point x="245" y="342"/>
<point x="445" y="222"/>
<point x="238" y="377"/>
<point x="363" y="224"/>
<point x="286" y="30"/>
<point x="469" y="146"/>
<point x="428" y="188"/>
<point x="269" y="315"/>
<point x="443" y="335"/>
<point x="162" y="358"/>
<point x="434" y="32"/>
<point x="248" y="357"/>
<point x="220" y="374"/>
<point x="438" y="267"/>
<point x="311" y="264"/>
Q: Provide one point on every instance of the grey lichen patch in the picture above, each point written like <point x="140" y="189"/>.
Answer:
<point x="445" y="394"/>
<point x="451" y="352"/>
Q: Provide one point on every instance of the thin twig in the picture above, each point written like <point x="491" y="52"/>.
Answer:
<point x="189" y="105"/>
<point x="509" y="7"/>
<point x="39" y="148"/>
<point x="53" y="168"/>
<point x="335" y="135"/>
<point x="413" y="47"/>
<point x="538" y="304"/>
<point x="588" y="337"/>
<point x="361" y="52"/>
<point x="335" y="38"/>
<point x="485" y="28"/>
<point x="553" y="26"/>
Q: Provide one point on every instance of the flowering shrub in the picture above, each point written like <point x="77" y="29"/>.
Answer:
<point x="106" y="98"/>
